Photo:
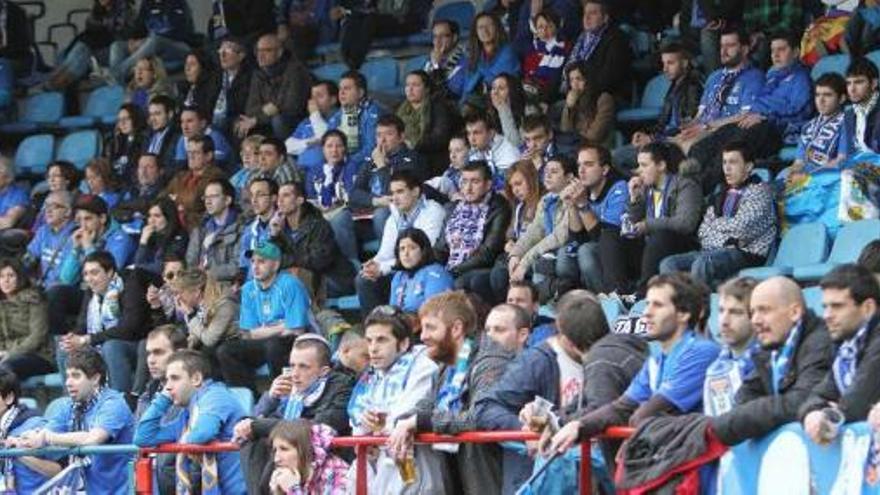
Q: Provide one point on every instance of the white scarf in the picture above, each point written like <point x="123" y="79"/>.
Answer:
<point x="104" y="310"/>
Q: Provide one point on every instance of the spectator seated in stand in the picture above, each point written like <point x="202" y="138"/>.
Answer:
<point x="112" y="318"/>
<point x="305" y="140"/>
<point x="194" y="122"/>
<point x="44" y="251"/>
<point x="163" y="132"/>
<point x="214" y="244"/>
<point x="739" y="227"/>
<point x="275" y="308"/>
<point x="417" y="277"/>
<point x="90" y="414"/>
<point x="160" y="237"/>
<point x="399" y="375"/>
<point x="796" y="354"/>
<point x="673" y="311"/>
<point x="822" y="143"/>
<point x="680" y="104"/>
<point x="739" y="345"/>
<point x="28" y="472"/>
<point x="128" y="141"/>
<point x="148" y="80"/>
<point x="370" y="192"/>
<point x="410" y="210"/>
<point x="602" y="48"/>
<point x="486" y="144"/>
<point x="308" y="389"/>
<point x="25" y="348"/>
<point x="308" y="244"/>
<point x="447" y="52"/>
<point x="588" y="112"/>
<point x="14" y="200"/>
<point x="489" y="54"/>
<point x="187" y="187"/>
<point x="597" y="200"/>
<point x="209" y="412"/>
<point x="278" y="93"/>
<point x="850" y="294"/>
<point x="473" y="233"/>
<point x="772" y="119"/>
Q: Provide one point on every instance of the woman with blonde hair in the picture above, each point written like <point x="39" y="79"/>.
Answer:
<point x="209" y="308"/>
<point x="148" y="80"/>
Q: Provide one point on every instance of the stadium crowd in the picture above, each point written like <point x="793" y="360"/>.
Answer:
<point x="485" y="224"/>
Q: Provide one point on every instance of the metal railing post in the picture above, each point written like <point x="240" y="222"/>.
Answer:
<point x="361" y="469"/>
<point x="586" y="474"/>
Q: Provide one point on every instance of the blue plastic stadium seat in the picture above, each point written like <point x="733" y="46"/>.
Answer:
<point x="245" y="397"/>
<point x="874" y="57"/>
<point x="851" y="239"/>
<point x="638" y="308"/>
<point x="813" y="298"/>
<point x="28" y="402"/>
<point x="462" y="13"/>
<point x="331" y="72"/>
<point x="327" y="48"/>
<point x="381" y="73"/>
<point x="52" y="380"/>
<point x="101" y="107"/>
<point x="651" y="103"/>
<point x="79" y="147"/>
<point x="713" y="322"/>
<point x="415" y="63"/>
<point x="34" y="154"/>
<point x="263" y="370"/>
<point x="612" y="307"/>
<point x="830" y="63"/>
<point x="40" y="111"/>
<point x="344" y="303"/>
<point x="802" y="245"/>
<point x="423" y="38"/>
<point x="788" y="154"/>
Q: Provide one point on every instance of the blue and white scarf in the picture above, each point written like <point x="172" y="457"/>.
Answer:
<point x="325" y="184"/>
<point x="465" y="229"/>
<point x="105" y="310"/>
<point x="716" y="100"/>
<point x="844" y="366"/>
<point x="408" y="220"/>
<point x="297" y="402"/>
<point x="375" y="387"/>
<point x="587" y="44"/>
<point x="449" y="397"/>
<point x="780" y="358"/>
<point x="819" y="138"/>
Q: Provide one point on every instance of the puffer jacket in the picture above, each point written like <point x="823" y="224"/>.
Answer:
<point x="221" y="256"/>
<point x="751" y="229"/>
<point x="24" y="324"/>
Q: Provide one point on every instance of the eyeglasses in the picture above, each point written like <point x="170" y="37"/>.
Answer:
<point x="170" y="275"/>
<point x="56" y="206"/>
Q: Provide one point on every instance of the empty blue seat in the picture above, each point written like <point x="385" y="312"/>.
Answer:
<point x="344" y="303"/>
<point x="612" y="307"/>
<point x="788" y="154"/>
<point x="415" y="63"/>
<point x="245" y="397"/>
<point x="381" y="73"/>
<point x="651" y="103"/>
<point x="462" y="13"/>
<point x="34" y="154"/>
<point x="874" y="57"/>
<point x="830" y="63"/>
<point x="79" y="147"/>
<point x="40" y="111"/>
<point x="803" y="244"/>
<point x="713" y="323"/>
<point x="851" y="239"/>
<point x="101" y="108"/>
<point x="813" y="298"/>
<point x="331" y="72"/>
<point x="638" y="308"/>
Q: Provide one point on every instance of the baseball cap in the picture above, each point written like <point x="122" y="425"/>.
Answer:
<point x="266" y="250"/>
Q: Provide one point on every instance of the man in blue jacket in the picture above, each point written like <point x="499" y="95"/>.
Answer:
<point x="210" y="414"/>
<point x="357" y="117"/>
<point x="559" y="371"/>
<point x="860" y="118"/>
<point x="729" y="91"/>
<point x="773" y="119"/>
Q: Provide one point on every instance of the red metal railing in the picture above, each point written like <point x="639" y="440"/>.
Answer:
<point x="144" y="472"/>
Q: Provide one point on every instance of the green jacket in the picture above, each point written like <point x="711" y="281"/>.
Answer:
<point x="24" y="324"/>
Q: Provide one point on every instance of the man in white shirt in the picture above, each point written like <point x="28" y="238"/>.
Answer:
<point x="488" y="145"/>
<point x="409" y="208"/>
